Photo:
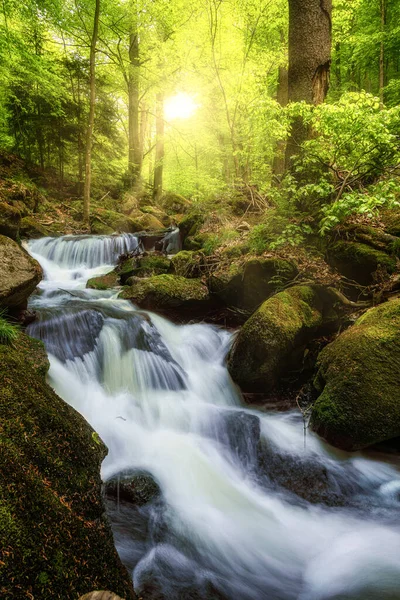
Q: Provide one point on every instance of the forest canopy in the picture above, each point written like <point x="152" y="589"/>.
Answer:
<point x="192" y="98"/>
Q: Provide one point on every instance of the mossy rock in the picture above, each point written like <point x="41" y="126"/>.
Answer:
<point x="32" y="229"/>
<point x="55" y="538"/>
<point x="391" y="221"/>
<point x="105" y="222"/>
<point x="99" y="228"/>
<point x="359" y="262"/>
<point x="175" y="204"/>
<point x="143" y="266"/>
<point x="129" y="204"/>
<point x="10" y="220"/>
<point x="138" y="488"/>
<point x="163" y="292"/>
<point x="147" y="222"/>
<point x="246" y="285"/>
<point x="159" y="214"/>
<point x="191" y="224"/>
<point x="358" y="381"/>
<point x="19" y="274"/>
<point x="187" y="264"/>
<point x="272" y="342"/>
<point x="104" y="282"/>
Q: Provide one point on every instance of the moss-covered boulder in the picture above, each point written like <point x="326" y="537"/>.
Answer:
<point x="10" y="219"/>
<point x="187" y="264"/>
<point x="19" y="274"/>
<point x="359" y="262"/>
<point x="164" y="292"/>
<point x="143" y="266"/>
<point x="105" y="222"/>
<point x="31" y="228"/>
<point x="247" y="284"/>
<point x="358" y="381"/>
<point x="104" y="282"/>
<point x="191" y="224"/>
<point x="158" y="214"/>
<point x="175" y="204"/>
<point x="55" y="539"/>
<point x="272" y="342"/>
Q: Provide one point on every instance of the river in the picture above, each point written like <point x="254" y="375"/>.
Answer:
<point x="247" y="511"/>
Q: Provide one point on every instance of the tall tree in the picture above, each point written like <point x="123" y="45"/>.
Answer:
<point x="89" y="132"/>
<point x="310" y="41"/>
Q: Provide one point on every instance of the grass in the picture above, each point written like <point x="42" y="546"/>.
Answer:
<point x="8" y="332"/>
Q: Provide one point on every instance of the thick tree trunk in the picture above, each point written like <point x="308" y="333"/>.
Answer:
<point x="310" y="40"/>
<point x="135" y="152"/>
<point x="89" y="133"/>
<point x="159" y="166"/>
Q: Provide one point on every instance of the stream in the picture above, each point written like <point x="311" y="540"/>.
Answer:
<point x="247" y="511"/>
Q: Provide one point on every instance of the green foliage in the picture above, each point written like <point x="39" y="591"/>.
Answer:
<point x="8" y="332"/>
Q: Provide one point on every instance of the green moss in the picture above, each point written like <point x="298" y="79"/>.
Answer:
<point x="10" y="219"/>
<point x="175" y="204"/>
<point x="143" y="266"/>
<point x="166" y="291"/>
<point x="187" y="264"/>
<point x="267" y="344"/>
<point x="30" y="228"/>
<point x="246" y="284"/>
<point x="56" y="542"/>
<point x="104" y="282"/>
<point x="358" y="380"/>
<point x="359" y="261"/>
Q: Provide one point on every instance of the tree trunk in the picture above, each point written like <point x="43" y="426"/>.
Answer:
<point x="159" y="166"/>
<point x="89" y="133"/>
<point x="310" y="40"/>
<point x="382" y="53"/>
<point x="278" y="166"/>
<point x="135" y="154"/>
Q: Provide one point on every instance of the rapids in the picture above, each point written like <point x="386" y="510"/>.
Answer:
<point x="246" y="511"/>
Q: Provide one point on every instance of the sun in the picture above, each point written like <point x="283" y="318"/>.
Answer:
<point x="180" y="106"/>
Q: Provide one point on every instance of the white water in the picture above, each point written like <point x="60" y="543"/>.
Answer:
<point x="227" y="526"/>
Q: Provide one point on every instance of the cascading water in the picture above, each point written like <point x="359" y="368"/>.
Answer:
<point x="234" y="518"/>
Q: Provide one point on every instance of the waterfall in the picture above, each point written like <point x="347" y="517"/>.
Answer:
<point x="245" y="510"/>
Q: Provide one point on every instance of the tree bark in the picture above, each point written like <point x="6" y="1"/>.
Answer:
<point x="135" y="153"/>
<point x="382" y="53"/>
<point x="89" y="132"/>
<point x="278" y="166"/>
<point x="159" y="166"/>
<point x="310" y="41"/>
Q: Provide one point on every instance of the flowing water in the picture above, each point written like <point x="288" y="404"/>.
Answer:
<point x="246" y="511"/>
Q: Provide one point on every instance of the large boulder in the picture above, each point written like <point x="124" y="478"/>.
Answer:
<point x="359" y="261"/>
<point x="246" y="285"/>
<point x="55" y="539"/>
<point x="358" y="381"/>
<point x="104" y="282"/>
<point x="175" y="204"/>
<point x="146" y="265"/>
<point x="137" y="488"/>
<point x="10" y="219"/>
<point x="104" y="222"/>
<point x="164" y="292"/>
<point x="19" y="275"/>
<point x="272" y="342"/>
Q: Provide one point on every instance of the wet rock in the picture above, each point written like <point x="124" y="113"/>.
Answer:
<point x="135" y="488"/>
<point x="272" y="342"/>
<point x="145" y="265"/>
<point x="242" y="431"/>
<point x="19" y="275"/>
<point x="104" y="282"/>
<point x="50" y="466"/>
<point x="358" y="381"/>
